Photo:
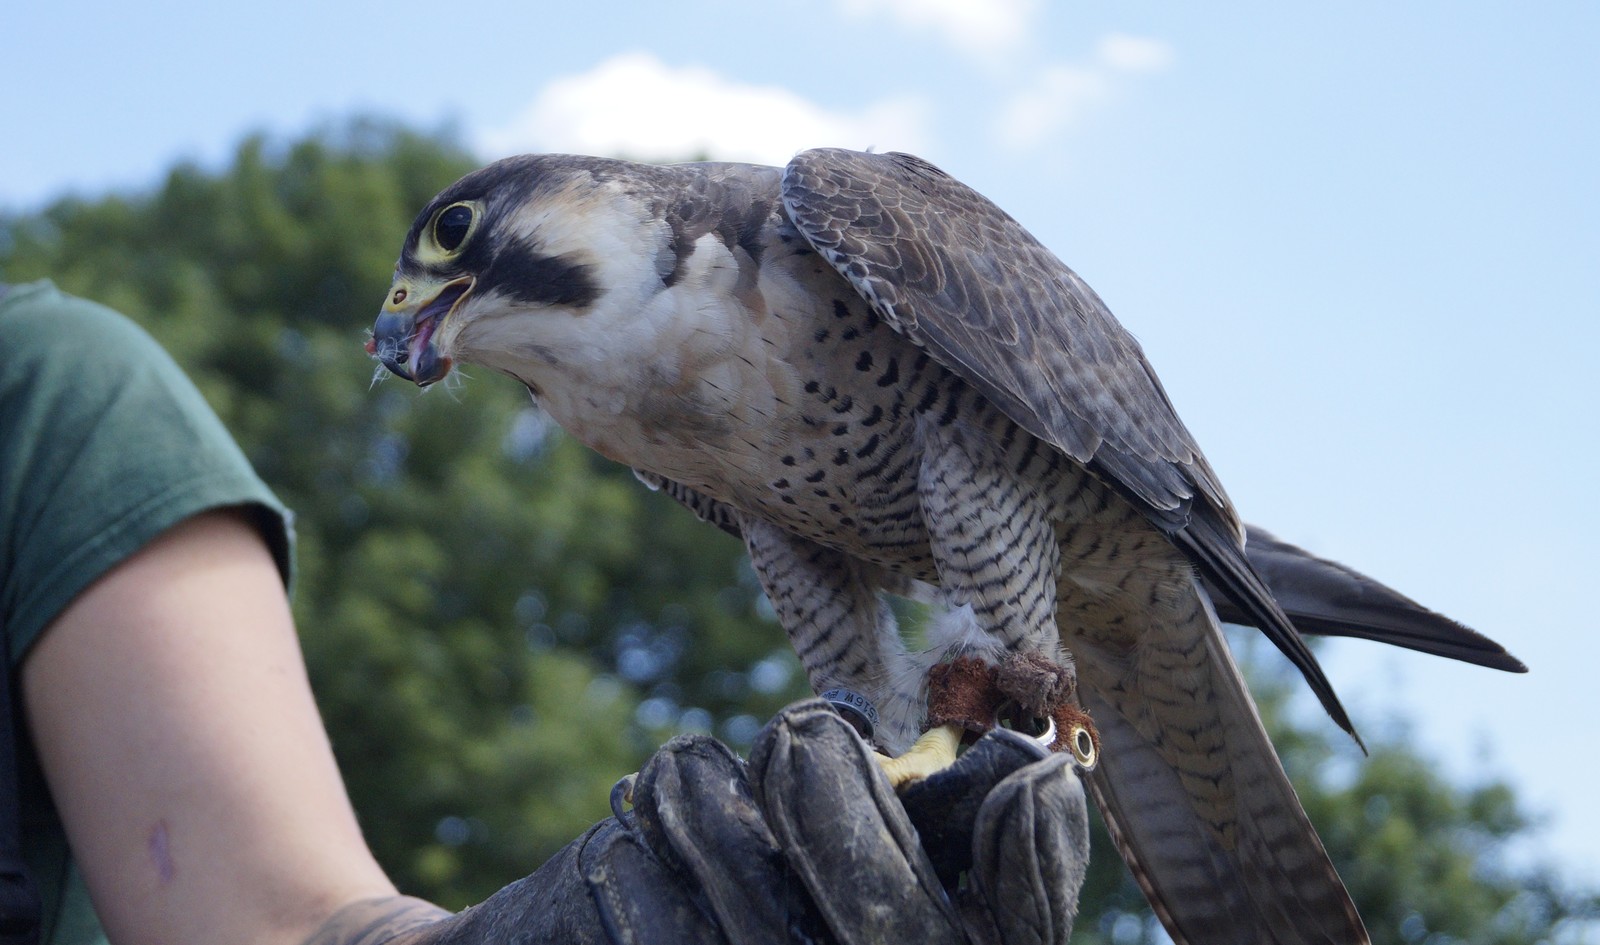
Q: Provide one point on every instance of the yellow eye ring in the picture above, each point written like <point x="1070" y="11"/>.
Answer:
<point x="449" y="232"/>
<point x="453" y="225"/>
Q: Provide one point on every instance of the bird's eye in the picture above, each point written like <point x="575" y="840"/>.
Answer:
<point x="452" y="226"/>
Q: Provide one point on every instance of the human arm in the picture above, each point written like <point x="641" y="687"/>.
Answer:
<point x="176" y="728"/>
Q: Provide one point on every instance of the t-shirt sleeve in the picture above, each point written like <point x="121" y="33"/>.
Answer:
<point x="104" y="444"/>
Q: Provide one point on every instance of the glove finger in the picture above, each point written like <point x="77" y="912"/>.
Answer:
<point x="638" y="898"/>
<point x="944" y="806"/>
<point x="695" y="811"/>
<point x="566" y="900"/>
<point x="845" y="833"/>
<point x="1031" y="853"/>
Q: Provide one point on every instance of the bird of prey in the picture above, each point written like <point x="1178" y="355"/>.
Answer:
<point x="882" y="383"/>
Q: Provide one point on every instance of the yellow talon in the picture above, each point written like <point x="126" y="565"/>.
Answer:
<point x="934" y="751"/>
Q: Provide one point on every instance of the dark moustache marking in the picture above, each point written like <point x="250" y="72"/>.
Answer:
<point x="523" y="273"/>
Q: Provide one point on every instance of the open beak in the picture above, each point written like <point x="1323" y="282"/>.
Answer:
<point x="402" y="338"/>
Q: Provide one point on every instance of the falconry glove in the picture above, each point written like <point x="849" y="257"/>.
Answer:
<point x="808" y="844"/>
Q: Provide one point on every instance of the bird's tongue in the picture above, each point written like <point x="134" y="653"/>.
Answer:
<point x="436" y="310"/>
<point x="424" y="360"/>
<point x="424" y="332"/>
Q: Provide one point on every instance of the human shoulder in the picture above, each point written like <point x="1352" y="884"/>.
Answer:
<point x="105" y="443"/>
<point x="41" y="324"/>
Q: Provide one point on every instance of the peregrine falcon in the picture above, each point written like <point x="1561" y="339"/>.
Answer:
<point x="883" y="384"/>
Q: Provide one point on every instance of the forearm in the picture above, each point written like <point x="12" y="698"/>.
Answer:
<point x="389" y="920"/>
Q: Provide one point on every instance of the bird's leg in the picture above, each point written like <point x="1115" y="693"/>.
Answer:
<point x="844" y="635"/>
<point x="850" y="649"/>
<point x="993" y="539"/>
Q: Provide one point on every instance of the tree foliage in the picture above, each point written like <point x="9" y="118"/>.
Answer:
<point x="499" y="624"/>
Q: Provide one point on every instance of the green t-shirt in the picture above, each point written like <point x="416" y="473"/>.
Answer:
<point x="104" y="444"/>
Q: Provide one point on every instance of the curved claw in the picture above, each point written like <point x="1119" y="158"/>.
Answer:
<point x="1048" y="736"/>
<point x="1084" y="746"/>
<point x="622" y="793"/>
<point x="1077" y="736"/>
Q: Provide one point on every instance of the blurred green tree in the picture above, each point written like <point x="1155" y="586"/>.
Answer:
<point x="499" y="623"/>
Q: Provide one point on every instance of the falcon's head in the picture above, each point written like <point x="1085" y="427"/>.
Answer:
<point x="538" y="238"/>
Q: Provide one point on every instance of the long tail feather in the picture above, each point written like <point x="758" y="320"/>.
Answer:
<point x="1327" y="598"/>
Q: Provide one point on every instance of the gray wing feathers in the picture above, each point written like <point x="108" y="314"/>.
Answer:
<point x="1197" y="803"/>
<point x="954" y="273"/>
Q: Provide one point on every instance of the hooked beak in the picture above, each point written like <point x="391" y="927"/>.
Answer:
<point x="402" y="337"/>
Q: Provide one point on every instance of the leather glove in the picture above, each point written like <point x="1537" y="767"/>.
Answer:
<point x="809" y="844"/>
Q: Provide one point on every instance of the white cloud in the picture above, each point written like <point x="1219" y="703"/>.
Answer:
<point x="1056" y="97"/>
<point x="1060" y="94"/>
<point x="986" y="29"/>
<point x="1124" y="53"/>
<point x="635" y="105"/>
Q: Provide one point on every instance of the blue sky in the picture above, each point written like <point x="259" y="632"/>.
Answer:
<point x="1360" y="242"/>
